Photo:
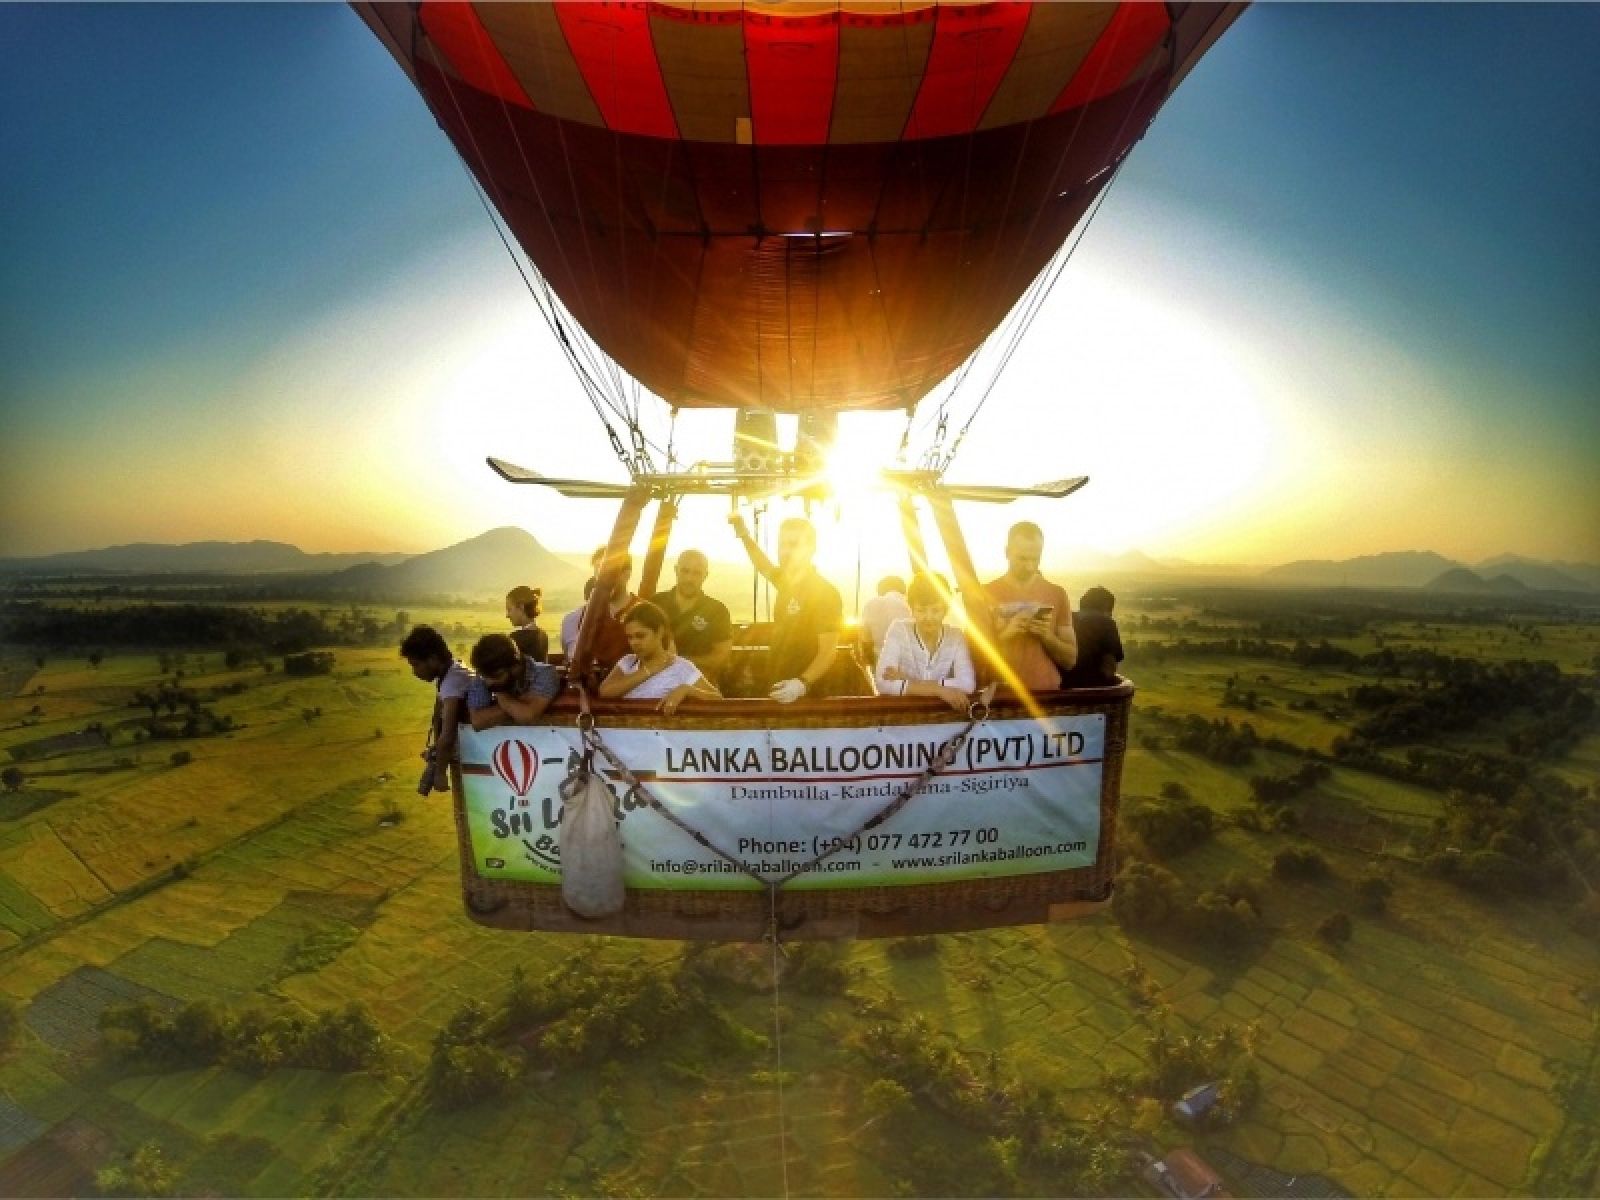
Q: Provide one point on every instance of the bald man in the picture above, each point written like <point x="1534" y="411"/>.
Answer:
<point x="702" y="630"/>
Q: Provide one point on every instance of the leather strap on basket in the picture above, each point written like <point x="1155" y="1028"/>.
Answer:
<point x="948" y="755"/>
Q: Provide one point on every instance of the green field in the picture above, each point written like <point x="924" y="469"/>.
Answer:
<point x="1451" y="1048"/>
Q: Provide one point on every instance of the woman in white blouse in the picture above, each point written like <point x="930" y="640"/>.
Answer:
<point x="653" y="671"/>
<point x="921" y="655"/>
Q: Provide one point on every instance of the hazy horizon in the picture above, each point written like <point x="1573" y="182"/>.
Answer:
<point x="731" y="554"/>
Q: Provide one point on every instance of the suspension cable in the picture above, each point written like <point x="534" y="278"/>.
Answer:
<point x="589" y="363"/>
<point x="585" y="358"/>
<point x="1054" y="271"/>
<point x="939" y="419"/>
<point x="591" y="390"/>
<point x="533" y="183"/>
<point x="905" y="436"/>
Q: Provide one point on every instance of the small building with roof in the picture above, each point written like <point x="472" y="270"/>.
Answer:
<point x="1183" y="1175"/>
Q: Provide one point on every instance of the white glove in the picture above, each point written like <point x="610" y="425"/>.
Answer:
<point x="788" y="691"/>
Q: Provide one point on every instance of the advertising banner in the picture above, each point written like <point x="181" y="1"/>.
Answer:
<point x="1023" y="798"/>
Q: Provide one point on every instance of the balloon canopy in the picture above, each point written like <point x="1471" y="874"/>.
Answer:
<point x="793" y="206"/>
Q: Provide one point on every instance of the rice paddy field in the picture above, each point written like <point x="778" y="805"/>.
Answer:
<point x="1451" y="1048"/>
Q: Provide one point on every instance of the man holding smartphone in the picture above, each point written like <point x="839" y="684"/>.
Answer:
<point x="1033" y="617"/>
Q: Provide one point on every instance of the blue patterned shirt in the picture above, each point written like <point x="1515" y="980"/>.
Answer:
<point x="538" y="679"/>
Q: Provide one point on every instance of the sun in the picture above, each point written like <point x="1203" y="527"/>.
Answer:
<point x="854" y="474"/>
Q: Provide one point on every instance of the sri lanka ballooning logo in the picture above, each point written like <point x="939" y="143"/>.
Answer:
<point x="516" y="764"/>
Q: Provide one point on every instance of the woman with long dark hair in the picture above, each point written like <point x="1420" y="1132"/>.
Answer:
<point x="654" y="670"/>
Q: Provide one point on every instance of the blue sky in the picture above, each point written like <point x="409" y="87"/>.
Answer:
<point x="245" y="276"/>
<point x="1438" y="165"/>
<point x="202" y="170"/>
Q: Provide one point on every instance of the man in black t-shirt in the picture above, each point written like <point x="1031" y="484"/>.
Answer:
<point x="806" y="617"/>
<point x="702" y="630"/>
<point x="1099" y="642"/>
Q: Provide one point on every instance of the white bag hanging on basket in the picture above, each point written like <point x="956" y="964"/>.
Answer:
<point x="591" y="846"/>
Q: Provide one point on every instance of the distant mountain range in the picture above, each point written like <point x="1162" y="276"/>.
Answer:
<point x="1404" y="568"/>
<point x="484" y="567"/>
<point x="225" y="558"/>
<point x="489" y="564"/>
<point x="1549" y="576"/>
<point x="1459" y="579"/>
<point x="1425" y="569"/>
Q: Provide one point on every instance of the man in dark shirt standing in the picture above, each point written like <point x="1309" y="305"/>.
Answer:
<point x="702" y="630"/>
<point x="808" y="613"/>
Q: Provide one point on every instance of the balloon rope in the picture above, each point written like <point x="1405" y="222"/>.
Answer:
<point x="550" y="308"/>
<point x="1056" y="270"/>
<point x="592" y="390"/>
<point x="538" y="193"/>
<point x="1026" y="323"/>
<point x="935" y="458"/>
<point x="755" y="576"/>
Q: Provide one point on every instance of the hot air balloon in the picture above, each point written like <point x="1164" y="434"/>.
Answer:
<point x="806" y="208"/>
<point x="516" y="764"/>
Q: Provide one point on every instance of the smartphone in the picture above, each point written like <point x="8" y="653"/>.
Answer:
<point x="1045" y="612"/>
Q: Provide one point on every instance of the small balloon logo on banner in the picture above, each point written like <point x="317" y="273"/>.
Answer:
<point x="516" y="764"/>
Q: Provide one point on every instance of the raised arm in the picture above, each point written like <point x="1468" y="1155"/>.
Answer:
<point x="758" y="557"/>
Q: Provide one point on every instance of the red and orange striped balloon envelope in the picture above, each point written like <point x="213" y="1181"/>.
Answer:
<point x="801" y="205"/>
